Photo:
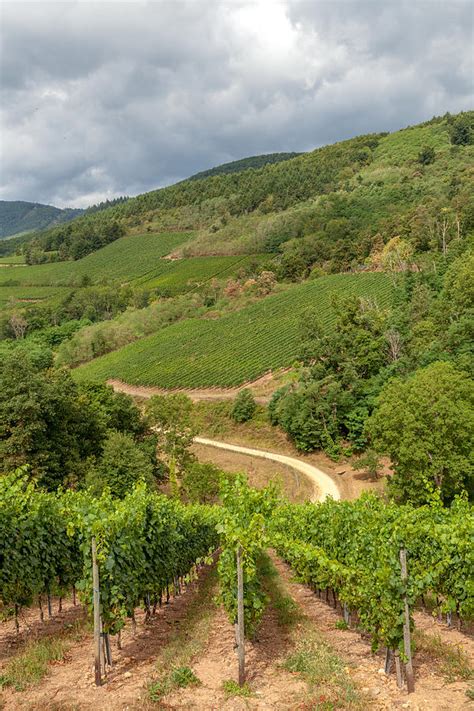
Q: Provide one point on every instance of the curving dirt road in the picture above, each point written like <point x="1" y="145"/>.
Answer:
<point x="324" y="485"/>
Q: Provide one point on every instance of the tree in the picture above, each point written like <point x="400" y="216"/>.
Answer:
<point x="18" y="325"/>
<point x="341" y="377"/>
<point x="311" y="413"/>
<point x="171" y="419"/>
<point x="244" y="406"/>
<point x="369" y="463"/>
<point x="44" y="422"/>
<point x="461" y="130"/>
<point x="427" y="155"/>
<point x="116" y="410"/>
<point x="426" y="425"/>
<point x="122" y="465"/>
<point x="201" y="482"/>
<point x="396" y="255"/>
<point x="458" y="286"/>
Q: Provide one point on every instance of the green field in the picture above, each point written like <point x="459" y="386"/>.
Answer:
<point x="22" y="295"/>
<point x="173" y="277"/>
<point x="123" y="260"/>
<point x="235" y="348"/>
<point x="13" y="259"/>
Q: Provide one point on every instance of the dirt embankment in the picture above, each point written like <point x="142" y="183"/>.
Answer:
<point x="262" y="389"/>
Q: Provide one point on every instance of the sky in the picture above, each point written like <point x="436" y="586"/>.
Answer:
<point x="101" y="99"/>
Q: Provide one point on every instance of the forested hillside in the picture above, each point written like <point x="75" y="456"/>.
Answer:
<point x="237" y="166"/>
<point x="335" y="206"/>
<point x="17" y="216"/>
<point x="203" y="284"/>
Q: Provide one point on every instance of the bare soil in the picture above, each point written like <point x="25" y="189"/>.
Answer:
<point x="32" y="628"/>
<point x="70" y="684"/>
<point x="261" y="388"/>
<point x="432" y="692"/>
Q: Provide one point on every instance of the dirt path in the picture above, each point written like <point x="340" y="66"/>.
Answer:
<point x="70" y="685"/>
<point x="324" y="485"/>
<point x="272" y="687"/>
<point x="195" y="394"/>
<point x="433" y="692"/>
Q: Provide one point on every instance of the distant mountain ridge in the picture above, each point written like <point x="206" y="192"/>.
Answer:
<point x="17" y="216"/>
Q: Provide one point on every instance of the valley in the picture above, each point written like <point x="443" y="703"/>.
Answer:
<point x="237" y="411"/>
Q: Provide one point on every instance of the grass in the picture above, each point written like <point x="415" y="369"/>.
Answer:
<point x="173" y="665"/>
<point x="402" y="146"/>
<point x="329" y="684"/>
<point x="288" y="612"/>
<point x="237" y="347"/>
<point x="178" y="678"/>
<point x="231" y="688"/>
<point x="449" y="659"/>
<point x="125" y="259"/>
<point x="13" y="259"/>
<point x="33" y="663"/>
<point x="20" y="295"/>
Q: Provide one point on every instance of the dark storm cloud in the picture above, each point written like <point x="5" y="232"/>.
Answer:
<point x="102" y="99"/>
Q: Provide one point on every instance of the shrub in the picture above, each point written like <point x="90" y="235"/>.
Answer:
<point x="461" y="130"/>
<point x="244" y="406"/>
<point x="427" y="155"/>
<point x="370" y="464"/>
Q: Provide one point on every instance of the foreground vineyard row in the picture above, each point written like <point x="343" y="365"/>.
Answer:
<point x="235" y="348"/>
<point x="146" y="542"/>
<point x="353" y="549"/>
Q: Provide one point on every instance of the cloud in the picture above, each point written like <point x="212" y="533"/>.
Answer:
<point x="105" y="99"/>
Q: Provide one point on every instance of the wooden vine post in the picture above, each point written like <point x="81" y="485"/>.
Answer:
<point x="406" y="627"/>
<point x="240" y="617"/>
<point x="97" y="625"/>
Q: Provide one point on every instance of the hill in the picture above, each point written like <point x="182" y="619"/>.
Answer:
<point x="342" y="200"/>
<point x="237" y="347"/>
<point x="237" y="166"/>
<point x="381" y="202"/>
<point x="18" y="216"/>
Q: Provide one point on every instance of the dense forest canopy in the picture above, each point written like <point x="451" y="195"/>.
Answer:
<point x="237" y="166"/>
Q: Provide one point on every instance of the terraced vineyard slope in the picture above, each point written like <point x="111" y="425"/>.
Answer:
<point x="237" y="347"/>
<point x="125" y="259"/>
<point x="172" y="277"/>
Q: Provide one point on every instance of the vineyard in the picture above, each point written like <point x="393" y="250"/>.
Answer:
<point x="173" y="277"/>
<point x="124" y="554"/>
<point x="14" y="295"/>
<point x="125" y="259"/>
<point x="352" y="551"/>
<point x="145" y="545"/>
<point x="237" y="347"/>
